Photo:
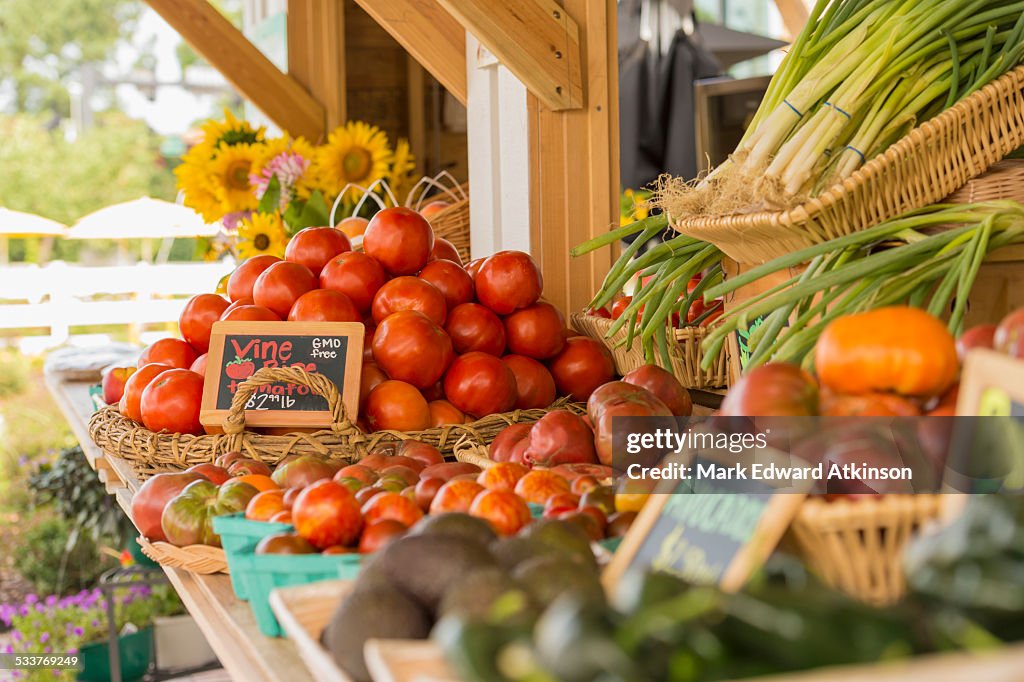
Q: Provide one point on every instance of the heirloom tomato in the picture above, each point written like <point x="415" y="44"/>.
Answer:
<point x="400" y="239"/>
<point x="507" y="281"/>
<point x="410" y="293"/>
<point x="473" y="327"/>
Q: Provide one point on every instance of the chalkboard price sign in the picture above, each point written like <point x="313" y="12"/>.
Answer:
<point x="239" y="349"/>
<point x="717" y="536"/>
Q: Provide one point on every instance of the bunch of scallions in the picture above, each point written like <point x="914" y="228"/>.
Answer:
<point x="927" y="258"/>
<point x="859" y="77"/>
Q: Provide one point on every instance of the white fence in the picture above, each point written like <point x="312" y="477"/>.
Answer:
<point x="59" y="295"/>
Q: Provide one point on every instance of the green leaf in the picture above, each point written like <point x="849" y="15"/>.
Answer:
<point x="302" y="214"/>
<point x="272" y="197"/>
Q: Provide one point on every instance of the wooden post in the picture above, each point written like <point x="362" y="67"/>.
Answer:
<point x="427" y="32"/>
<point x="574" y="165"/>
<point x="794" y="16"/>
<point x="316" y="54"/>
<point x="277" y="94"/>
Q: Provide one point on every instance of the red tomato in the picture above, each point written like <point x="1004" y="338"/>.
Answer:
<point x="397" y="405"/>
<point x="535" y="387"/>
<point x="583" y="365"/>
<point x="245" y="300"/>
<point x="371" y="377"/>
<point x="718" y="311"/>
<point x="280" y="286"/>
<point x="244" y="277"/>
<point x="473" y="327"/>
<point x="699" y="307"/>
<point x="130" y="405"/>
<point x="443" y="412"/>
<point x="507" y="281"/>
<point x="537" y="331"/>
<point x="473" y="266"/>
<point x="199" y="366"/>
<point x="600" y="312"/>
<point x="445" y="250"/>
<point x="324" y="305"/>
<point x="198" y="316"/>
<point x="400" y="238"/>
<point x="368" y="341"/>
<point x="981" y="336"/>
<point x="620" y="306"/>
<point x="409" y="293"/>
<point x="314" y="247"/>
<point x="356" y="275"/>
<point x="173" y="352"/>
<point x="327" y="513"/>
<point x="480" y="384"/>
<point x="250" y="313"/>
<point x="353" y="226"/>
<point x="433" y="208"/>
<point x="410" y="347"/>
<point x="171" y="402"/>
<point x="452" y="281"/>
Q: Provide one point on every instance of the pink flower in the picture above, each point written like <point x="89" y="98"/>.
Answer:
<point x="289" y="168"/>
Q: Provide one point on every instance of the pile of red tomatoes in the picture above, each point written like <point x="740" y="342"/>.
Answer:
<point x="445" y="343"/>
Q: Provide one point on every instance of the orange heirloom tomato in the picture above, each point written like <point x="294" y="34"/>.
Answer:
<point x="899" y="349"/>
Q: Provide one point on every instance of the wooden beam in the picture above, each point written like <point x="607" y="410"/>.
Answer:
<point x="316" y="54"/>
<point x="574" y="166"/>
<point x="794" y="16"/>
<point x="277" y="94"/>
<point x="536" y="39"/>
<point x="427" y="32"/>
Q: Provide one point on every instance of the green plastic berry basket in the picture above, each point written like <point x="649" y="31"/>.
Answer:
<point x="239" y="537"/>
<point x="262" y="573"/>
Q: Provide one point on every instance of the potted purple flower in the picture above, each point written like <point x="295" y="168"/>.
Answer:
<point x="77" y="625"/>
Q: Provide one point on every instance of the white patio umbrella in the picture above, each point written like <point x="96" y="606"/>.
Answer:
<point x="143" y="218"/>
<point x="21" y="224"/>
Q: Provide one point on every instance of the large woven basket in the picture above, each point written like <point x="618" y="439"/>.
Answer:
<point x="1005" y="180"/>
<point x="149" y="453"/>
<point x="453" y="223"/>
<point x="684" y="346"/>
<point x="929" y="164"/>
<point x="857" y="545"/>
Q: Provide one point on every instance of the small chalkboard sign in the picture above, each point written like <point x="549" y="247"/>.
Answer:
<point x="719" y="535"/>
<point x="239" y="349"/>
<point x="985" y="451"/>
<point x="991" y="385"/>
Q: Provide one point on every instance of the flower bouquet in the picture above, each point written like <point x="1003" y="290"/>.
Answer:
<point x="264" y="190"/>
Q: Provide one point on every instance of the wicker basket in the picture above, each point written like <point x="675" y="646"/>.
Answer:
<point x="195" y="558"/>
<point x="857" y="545"/>
<point x="453" y="223"/>
<point x="930" y="163"/>
<point x="149" y="453"/>
<point x="471" y="452"/>
<point x="1005" y="180"/>
<point x="684" y="347"/>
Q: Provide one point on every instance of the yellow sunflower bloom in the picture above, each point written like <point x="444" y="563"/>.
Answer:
<point x="355" y="153"/>
<point x="401" y="179"/>
<point x="230" y="170"/>
<point x="230" y="132"/>
<point x="261" y="233"/>
<point x="195" y="181"/>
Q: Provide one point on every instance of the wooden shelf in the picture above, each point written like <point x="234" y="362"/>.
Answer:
<point x="227" y="623"/>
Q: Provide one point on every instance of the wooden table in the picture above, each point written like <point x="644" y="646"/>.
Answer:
<point x="227" y="623"/>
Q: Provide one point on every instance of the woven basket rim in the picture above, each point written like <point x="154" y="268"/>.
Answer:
<point x="203" y="559"/>
<point x="740" y="235"/>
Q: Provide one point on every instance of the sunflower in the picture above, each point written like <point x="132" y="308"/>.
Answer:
<point x="195" y="181"/>
<point x="230" y="169"/>
<point x="355" y="153"/>
<point x="261" y="233"/>
<point x="230" y="132"/>
<point x="400" y="179"/>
